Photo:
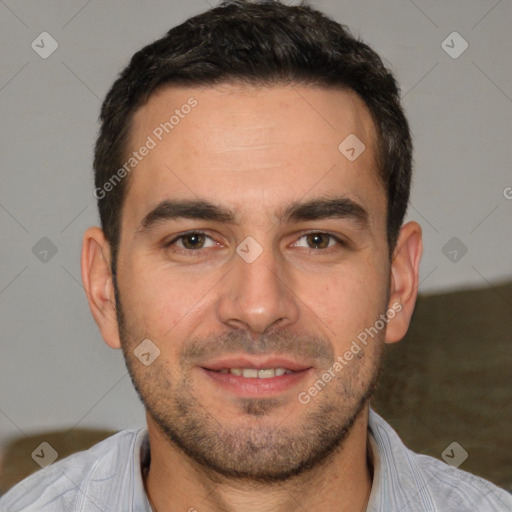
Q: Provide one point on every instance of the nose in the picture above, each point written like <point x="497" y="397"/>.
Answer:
<point x="258" y="294"/>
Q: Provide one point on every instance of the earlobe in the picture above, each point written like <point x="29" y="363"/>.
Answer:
<point x="404" y="280"/>
<point x="97" y="280"/>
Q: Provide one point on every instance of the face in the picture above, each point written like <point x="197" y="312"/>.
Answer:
<point x="249" y="241"/>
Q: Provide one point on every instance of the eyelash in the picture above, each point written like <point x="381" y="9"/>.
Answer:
<point x="328" y="250"/>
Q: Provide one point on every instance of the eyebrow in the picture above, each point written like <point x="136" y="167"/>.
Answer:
<point x="314" y="209"/>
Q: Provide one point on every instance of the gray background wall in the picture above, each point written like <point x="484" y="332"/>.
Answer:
<point x="55" y="371"/>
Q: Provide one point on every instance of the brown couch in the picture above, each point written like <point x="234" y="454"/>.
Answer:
<point x="450" y="379"/>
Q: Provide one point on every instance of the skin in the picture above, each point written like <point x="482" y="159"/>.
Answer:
<point x="254" y="150"/>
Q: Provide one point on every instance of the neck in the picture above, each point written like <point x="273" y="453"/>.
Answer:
<point x="341" y="483"/>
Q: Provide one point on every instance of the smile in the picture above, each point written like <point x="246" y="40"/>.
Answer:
<point x="256" y="382"/>
<point x="254" y="373"/>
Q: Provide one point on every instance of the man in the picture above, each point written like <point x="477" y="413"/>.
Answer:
<point x="252" y="174"/>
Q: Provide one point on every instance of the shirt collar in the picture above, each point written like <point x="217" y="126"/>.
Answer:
<point x="398" y="482"/>
<point x="141" y="461"/>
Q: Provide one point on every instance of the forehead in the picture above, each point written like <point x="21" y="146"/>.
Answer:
<point x="252" y="148"/>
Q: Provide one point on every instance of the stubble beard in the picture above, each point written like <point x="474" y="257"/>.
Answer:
<point x="256" y="449"/>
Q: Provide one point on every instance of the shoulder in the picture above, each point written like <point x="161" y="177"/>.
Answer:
<point x="458" y="490"/>
<point x="68" y="484"/>
<point x="416" y="482"/>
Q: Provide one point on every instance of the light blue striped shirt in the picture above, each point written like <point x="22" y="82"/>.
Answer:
<point x="107" y="478"/>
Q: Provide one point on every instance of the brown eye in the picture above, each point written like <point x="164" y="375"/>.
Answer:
<point x="318" y="241"/>
<point x="193" y="241"/>
<point x="190" y="242"/>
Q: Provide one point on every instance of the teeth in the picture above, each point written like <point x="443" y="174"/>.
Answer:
<point x="253" y="373"/>
<point x="266" y="374"/>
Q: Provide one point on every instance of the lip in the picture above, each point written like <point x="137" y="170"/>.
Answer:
<point x="257" y="363"/>
<point x="256" y="387"/>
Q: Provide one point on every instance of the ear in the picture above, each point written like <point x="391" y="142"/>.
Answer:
<point x="404" y="281"/>
<point x="99" y="288"/>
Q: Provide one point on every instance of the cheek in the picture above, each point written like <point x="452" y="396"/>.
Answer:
<point x="161" y="299"/>
<point x="350" y="300"/>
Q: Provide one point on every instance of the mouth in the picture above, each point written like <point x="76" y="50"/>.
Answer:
<point x="253" y="377"/>
<point x="255" y="373"/>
